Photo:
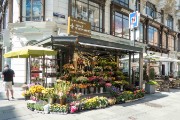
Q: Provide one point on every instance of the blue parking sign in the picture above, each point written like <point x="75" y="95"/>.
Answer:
<point x="134" y="19"/>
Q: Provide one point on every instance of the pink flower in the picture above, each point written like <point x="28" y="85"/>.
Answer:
<point x="73" y="109"/>
<point x="108" y="84"/>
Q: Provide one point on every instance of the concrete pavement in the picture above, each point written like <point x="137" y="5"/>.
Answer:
<point x="159" y="106"/>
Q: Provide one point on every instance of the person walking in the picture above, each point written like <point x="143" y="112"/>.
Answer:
<point x="7" y="76"/>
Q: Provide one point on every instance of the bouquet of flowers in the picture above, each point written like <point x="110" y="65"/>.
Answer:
<point x="26" y="93"/>
<point x="68" y="66"/>
<point x="82" y="79"/>
<point x="49" y="92"/>
<point x="36" y="89"/>
<point x="62" y="88"/>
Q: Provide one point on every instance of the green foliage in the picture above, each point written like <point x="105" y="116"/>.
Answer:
<point x="145" y="76"/>
<point x="152" y="82"/>
<point x="151" y="74"/>
<point x="39" y="107"/>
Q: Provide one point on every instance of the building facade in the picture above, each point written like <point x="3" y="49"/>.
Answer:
<point x="26" y="21"/>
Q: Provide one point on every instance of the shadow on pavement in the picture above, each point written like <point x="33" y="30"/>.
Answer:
<point x="175" y="90"/>
<point x="7" y="112"/>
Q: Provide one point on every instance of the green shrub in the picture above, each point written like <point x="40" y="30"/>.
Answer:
<point x="152" y="82"/>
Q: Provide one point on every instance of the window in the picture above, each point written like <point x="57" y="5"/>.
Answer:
<point x="170" y="21"/>
<point x="122" y="2"/>
<point x="32" y="10"/>
<point x="171" y="43"/>
<point x="153" y="36"/>
<point x="120" y="25"/>
<point x="164" y="40"/>
<point x="89" y="11"/>
<point x="138" y="5"/>
<point x="150" y="9"/>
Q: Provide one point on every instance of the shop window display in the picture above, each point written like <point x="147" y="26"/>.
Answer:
<point x="42" y="71"/>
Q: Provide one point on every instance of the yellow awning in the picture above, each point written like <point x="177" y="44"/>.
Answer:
<point x="28" y="51"/>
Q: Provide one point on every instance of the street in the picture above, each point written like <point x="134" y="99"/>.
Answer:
<point x="159" y="106"/>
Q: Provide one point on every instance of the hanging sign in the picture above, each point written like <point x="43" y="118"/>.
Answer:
<point x="78" y="27"/>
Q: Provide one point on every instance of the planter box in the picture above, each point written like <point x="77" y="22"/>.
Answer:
<point x="150" y="89"/>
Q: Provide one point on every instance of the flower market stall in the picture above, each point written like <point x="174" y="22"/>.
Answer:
<point x="90" y="78"/>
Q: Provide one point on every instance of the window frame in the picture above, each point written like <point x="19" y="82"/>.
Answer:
<point x="122" y="2"/>
<point x="171" y="48"/>
<point x="170" y="21"/>
<point x="153" y="29"/>
<point x="21" y="11"/>
<point x="101" y="8"/>
<point x="113" y="24"/>
<point x="153" y="9"/>
<point x="138" y="7"/>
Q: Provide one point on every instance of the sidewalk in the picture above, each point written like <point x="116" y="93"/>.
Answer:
<point x="159" y="106"/>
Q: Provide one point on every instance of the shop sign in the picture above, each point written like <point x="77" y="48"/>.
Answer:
<point x="79" y="27"/>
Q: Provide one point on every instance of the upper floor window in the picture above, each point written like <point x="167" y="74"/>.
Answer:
<point x="171" y="43"/>
<point x="150" y="9"/>
<point x="123" y="2"/>
<point x="170" y="21"/>
<point x="153" y="36"/>
<point x="138" y="5"/>
<point x="89" y="11"/>
<point x="120" y="25"/>
<point x="32" y="10"/>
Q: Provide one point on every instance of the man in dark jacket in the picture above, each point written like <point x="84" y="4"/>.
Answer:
<point x="8" y="75"/>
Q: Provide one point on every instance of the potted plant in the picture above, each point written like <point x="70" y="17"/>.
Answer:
<point x="151" y="85"/>
<point x="50" y="94"/>
<point x="26" y="95"/>
<point x="62" y="89"/>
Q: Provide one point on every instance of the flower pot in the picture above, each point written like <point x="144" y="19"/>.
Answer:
<point x="62" y="101"/>
<point x="86" y="91"/>
<point x="121" y="87"/>
<point x="101" y="89"/>
<point x="150" y="89"/>
<point x="82" y="91"/>
<point x="91" y="90"/>
<point x="97" y="91"/>
<point x="27" y="97"/>
<point x="107" y="89"/>
<point x="78" y="90"/>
